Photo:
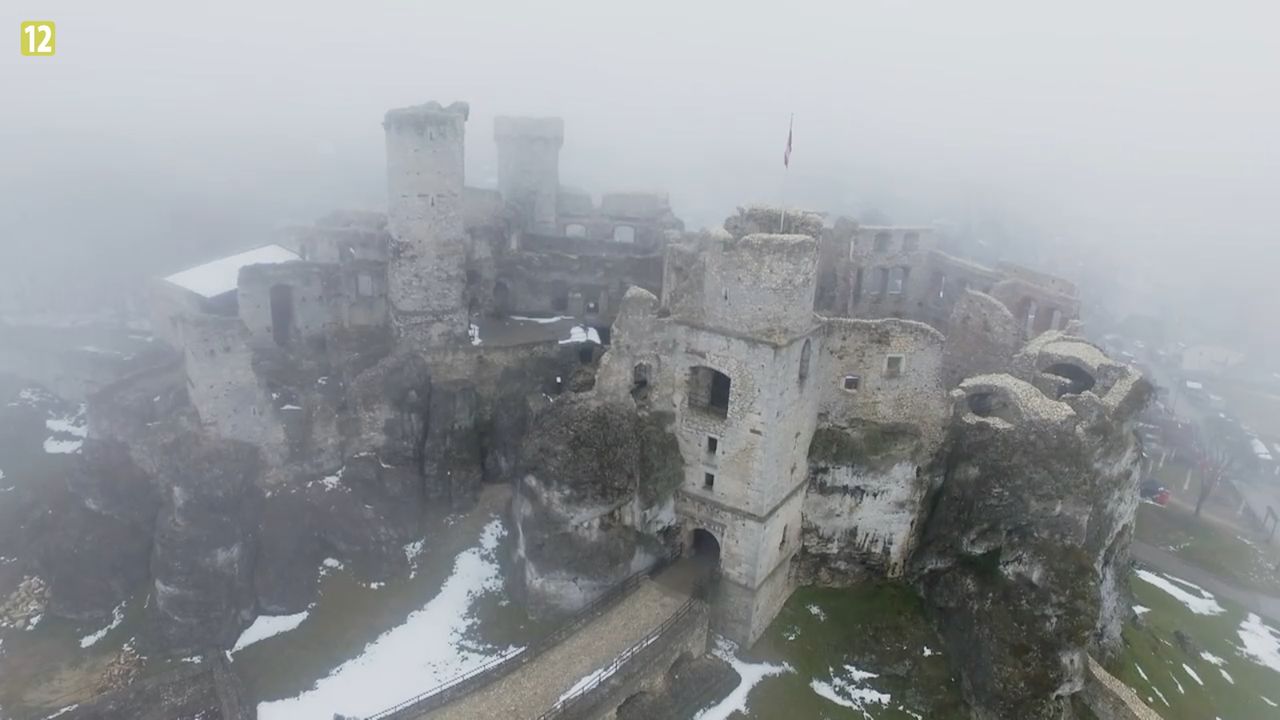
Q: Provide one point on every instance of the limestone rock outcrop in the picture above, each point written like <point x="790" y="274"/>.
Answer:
<point x="1025" y="546"/>
<point x="595" y="499"/>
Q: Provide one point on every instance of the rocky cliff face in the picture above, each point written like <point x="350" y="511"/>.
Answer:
<point x="1024" y="548"/>
<point x="595" y="499"/>
<point x="866" y="491"/>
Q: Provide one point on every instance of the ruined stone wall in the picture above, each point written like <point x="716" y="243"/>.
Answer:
<point x="427" y="276"/>
<point x="312" y="289"/>
<point x="168" y="303"/>
<point x="622" y="223"/>
<point x="982" y="337"/>
<point x="835" y="263"/>
<point x="325" y="244"/>
<point x="879" y="430"/>
<point x="529" y="167"/>
<point x="1036" y="308"/>
<point x="586" y="286"/>
<point x="912" y="394"/>
<point x="878" y="256"/>
<point x="223" y="386"/>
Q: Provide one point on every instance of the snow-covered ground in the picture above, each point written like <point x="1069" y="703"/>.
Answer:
<point x="426" y="650"/>
<point x="849" y="689"/>
<point x="1197" y="599"/>
<point x="1260" y="642"/>
<point x="581" y="334"/>
<point x="752" y="674"/>
<point x="117" y="617"/>
<point x="69" y="432"/>
<point x="266" y="626"/>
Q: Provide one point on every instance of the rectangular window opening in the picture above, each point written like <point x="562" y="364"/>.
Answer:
<point x="852" y="382"/>
<point x="713" y="444"/>
<point x="893" y="365"/>
<point x="708" y="480"/>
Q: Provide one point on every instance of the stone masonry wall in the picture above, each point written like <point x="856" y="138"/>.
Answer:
<point x="425" y="217"/>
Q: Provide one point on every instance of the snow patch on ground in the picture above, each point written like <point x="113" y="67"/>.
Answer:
<point x="1267" y="701"/>
<point x="117" y="617"/>
<point x="69" y="432"/>
<point x="1212" y="659"/>
<point x="1193" y="674"/>
<point x="428" y="649"/>
<point x="1261" y="642"/>
<point x="66" y="710"/>
<point x="266" y="626"/>
<point x="751" y="673"/>
<point x="541" y="321"/>
<point x="581" y="334"/>
<point x="1202" y="604"/>
<point x="1227" y="676"/>
<point x="848" y="690"/>
<point x="817" y="612"/>
<point x="473" y="332"/>
<point x="1140" y="610"/>
<point x="1142" y="672"/>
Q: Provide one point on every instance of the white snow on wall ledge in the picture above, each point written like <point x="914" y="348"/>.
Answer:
<point x="426" y="650"/>
<point x="223" y="276"/>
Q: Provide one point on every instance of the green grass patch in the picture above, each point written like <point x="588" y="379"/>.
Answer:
<point x="1209" y="546"/>
<point x="877" y="628"/>
<point x="1169" y="639"/>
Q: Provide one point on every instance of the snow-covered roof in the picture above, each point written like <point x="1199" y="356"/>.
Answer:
<point x="1260" y="449"/>
<point x="1193" y="385"/>
<point x="221" y="276"/>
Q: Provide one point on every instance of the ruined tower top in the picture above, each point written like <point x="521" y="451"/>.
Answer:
<point x="529" y="168"/>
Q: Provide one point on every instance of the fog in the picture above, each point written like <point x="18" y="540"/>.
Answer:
<point x="1134" y="147"/>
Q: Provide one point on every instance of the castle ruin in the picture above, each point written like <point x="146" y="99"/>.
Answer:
<point x="798" y="399"/>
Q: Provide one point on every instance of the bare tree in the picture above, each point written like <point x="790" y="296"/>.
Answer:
<point x="1215" y="465"/>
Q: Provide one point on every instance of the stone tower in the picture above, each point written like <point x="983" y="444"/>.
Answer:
<point x="732" y="352"/>
<point x="529" y="168"/>
<point x="427" y="273"/>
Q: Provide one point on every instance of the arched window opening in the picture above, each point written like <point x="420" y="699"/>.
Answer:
<point x="709" y="391"/>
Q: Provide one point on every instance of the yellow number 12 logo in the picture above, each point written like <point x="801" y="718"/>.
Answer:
<point x="37" y="37"/>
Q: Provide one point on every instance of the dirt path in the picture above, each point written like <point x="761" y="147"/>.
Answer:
<point x="1262" y="604"/>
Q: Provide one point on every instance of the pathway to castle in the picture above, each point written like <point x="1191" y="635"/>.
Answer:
<point x="536" y="687"/>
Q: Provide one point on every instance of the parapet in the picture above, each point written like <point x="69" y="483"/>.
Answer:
<point x="528" y="128"/>
<point x="419" y="117"/>
<point x="758" y="219"/>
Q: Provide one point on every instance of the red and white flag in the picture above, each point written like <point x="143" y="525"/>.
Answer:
<point x="786" y="155"/>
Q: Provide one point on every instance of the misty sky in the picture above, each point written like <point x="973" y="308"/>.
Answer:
<point x="1134" y="144"/>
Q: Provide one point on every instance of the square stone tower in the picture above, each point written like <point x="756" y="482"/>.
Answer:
<point x="529" y="168"/>
<point x="732" y="351"/>
<point x="427" y="272"/>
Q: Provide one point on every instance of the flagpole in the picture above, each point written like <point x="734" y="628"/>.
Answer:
<point x="786" y="165"/>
